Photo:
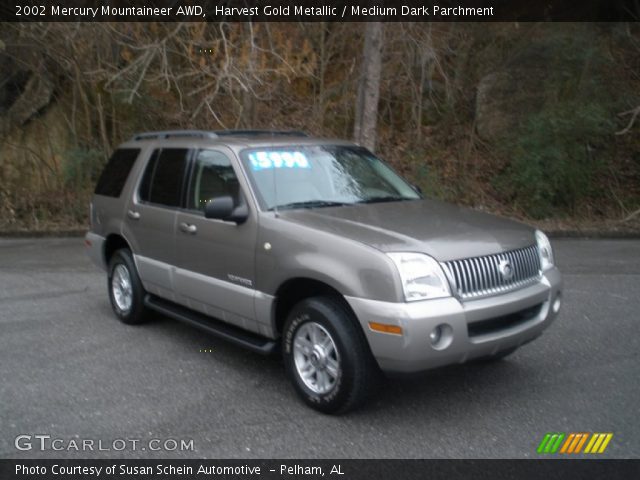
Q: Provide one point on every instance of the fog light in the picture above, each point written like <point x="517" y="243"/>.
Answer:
<point x="556" y="304"/>
<point x="435" y="335"/>
<point x="441" y="336"/>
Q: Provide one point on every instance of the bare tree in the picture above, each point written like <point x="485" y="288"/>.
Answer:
<point x="366" y="116"/>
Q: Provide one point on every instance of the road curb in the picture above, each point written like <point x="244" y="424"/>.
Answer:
<point x="42" y="233"/>
<point x="601" y="235"/>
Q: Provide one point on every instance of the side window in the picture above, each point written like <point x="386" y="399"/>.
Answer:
<point x="212" y="176"/>
<point x="162" y="180"/>
<point x="145" y="184"/>
<point x="115" y="173"/>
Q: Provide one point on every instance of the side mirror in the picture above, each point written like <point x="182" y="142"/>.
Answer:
<point x="224" y="208"/>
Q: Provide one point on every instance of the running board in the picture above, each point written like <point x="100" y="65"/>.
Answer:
<point x="243" y="338"/>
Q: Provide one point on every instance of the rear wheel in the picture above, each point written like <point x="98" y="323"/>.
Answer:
<point x="327" y="357"/>
<point x="126" y="292"/>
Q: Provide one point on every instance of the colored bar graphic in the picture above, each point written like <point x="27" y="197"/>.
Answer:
<point x="543" y="443"/>
<point x="590" y="444"/>
<point x="557" y="443"/>
<point x="605" y="443"/>
<point x="574" y="443"/>
<point x="598" y="443"/>
<point x="581" y="443"/>
<point x="570" y="439"/>
<point x="550" y="443"/>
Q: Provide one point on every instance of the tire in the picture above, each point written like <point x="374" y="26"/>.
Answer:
<point x="342" y="372"/>
<point x="126" y="292"/>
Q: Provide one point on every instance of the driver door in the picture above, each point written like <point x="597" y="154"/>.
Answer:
<point x="215" y="268"/>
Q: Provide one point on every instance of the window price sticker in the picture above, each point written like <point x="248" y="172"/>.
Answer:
<point x="274" y="159"/>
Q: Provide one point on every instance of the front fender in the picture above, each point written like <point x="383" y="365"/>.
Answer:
<point x="350" y="267"/>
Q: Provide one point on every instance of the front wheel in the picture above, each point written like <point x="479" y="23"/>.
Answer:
<point x="327" y="357"/>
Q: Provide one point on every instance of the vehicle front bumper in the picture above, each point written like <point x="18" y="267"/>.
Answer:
<point x="413" y="351"/>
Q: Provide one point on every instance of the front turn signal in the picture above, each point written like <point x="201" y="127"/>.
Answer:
<point x="385" y="328"/>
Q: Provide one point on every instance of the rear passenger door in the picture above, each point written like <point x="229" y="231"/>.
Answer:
<point x="215" y="272"/>
<point x="150" y="218"/>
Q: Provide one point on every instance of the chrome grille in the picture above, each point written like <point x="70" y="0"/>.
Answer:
<point x="480" y="276"/>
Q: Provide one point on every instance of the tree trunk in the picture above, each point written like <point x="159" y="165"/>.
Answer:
<point x="366" y="114"/>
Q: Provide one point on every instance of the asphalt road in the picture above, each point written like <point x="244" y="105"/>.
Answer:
<point x="70" y="370"/>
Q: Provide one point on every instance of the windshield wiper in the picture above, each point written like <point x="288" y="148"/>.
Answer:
<point x="385" y="198"/>
<point x="308" y="204"/>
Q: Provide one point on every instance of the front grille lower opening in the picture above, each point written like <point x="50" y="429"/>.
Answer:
<point x="497" y="324"/>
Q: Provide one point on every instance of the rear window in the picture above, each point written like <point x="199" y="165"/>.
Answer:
<point x="115" y="173"/>
<point x="162" y="180"/>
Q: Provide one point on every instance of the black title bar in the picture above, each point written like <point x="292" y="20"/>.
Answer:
<point x="319" y="469"/>
<point x="310" y="11"/>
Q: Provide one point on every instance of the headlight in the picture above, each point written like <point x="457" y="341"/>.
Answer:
<point x="421" y="275"/>
<point x="544" y="247"/>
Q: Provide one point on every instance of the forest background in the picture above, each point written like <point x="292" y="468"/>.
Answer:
<point x="535" y="121"/>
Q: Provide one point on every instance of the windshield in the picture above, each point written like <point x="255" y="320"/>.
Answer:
<point x="322" y="176"/>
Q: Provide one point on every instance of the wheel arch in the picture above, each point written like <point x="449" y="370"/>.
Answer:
<point x="293" y="291"/>
<point x="113" y="242"/>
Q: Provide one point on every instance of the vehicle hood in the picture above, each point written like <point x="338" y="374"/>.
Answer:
<point x="442" y="230"/>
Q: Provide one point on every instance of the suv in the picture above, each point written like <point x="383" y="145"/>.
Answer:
<point x="275" y="240"/>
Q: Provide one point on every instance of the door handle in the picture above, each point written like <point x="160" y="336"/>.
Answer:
<point x="188" y="228"/>
<point x="133" y="215"/>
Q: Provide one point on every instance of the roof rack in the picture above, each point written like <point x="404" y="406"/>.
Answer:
<point x="174" y="133"/>
<point x="266" y="133"/>
<point x="216" y="134"/>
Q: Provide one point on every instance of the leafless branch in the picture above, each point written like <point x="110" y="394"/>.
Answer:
<point x="634" y="112"/>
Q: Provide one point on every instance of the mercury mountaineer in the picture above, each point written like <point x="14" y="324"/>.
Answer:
<point x="315" y="248"/>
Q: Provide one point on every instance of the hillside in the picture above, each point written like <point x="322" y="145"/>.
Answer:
<point x="529" y="120"/>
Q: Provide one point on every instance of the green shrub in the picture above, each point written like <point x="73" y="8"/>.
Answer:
<point x="81" y="167"/>
<point x="555" y="158"/>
